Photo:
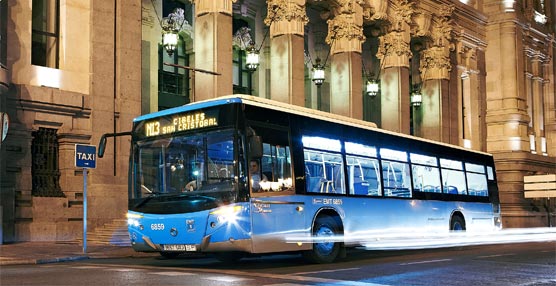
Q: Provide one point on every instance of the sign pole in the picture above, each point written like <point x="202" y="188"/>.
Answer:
<point x="84" y="210"/>
<point x="85" y="157"/>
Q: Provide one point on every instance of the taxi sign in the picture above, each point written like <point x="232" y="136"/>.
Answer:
<point x="85" y="156"/>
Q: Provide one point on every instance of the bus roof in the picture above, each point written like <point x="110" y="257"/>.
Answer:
<point x="292" y="109"/>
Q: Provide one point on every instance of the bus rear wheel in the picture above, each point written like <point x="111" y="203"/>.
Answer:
<point x="325" y="248"/>
<point x="457" y="223"/>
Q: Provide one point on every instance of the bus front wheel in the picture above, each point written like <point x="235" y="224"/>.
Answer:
<point x="169" y="255"/>
<point x="229" y="257"/>
<point x="325" y="245"/>
<point x="457" y="223"/>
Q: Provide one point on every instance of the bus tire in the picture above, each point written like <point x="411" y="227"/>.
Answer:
<point x="169" y="255"/>
<point x="229" y="257"/>
<point x="324" y="251"/>
<point x="457" y="223"/>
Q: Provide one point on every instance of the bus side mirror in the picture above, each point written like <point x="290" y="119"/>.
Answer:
<point x="102" y="142"/>
<point x="255" y="147"/>
<point x="101" y="145"/>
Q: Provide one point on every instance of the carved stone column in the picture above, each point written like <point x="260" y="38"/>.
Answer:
<point x="472" y="107"/>
<point x="507" y="119"/>
<point x="435" y="72"/>
<point x="538" y="88"/>
<point x="549" y="68"/>
<point x="394" y="53"/>
<point x="345" y="35"/>
<point x="213" y="48"/>
<point x="287" y="19"/>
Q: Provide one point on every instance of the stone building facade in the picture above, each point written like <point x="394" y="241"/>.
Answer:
<point x="72" y="70"/>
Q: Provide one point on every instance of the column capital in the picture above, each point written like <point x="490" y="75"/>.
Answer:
<point x="374" y="10"/>
<point x="394" y="49"/>
<point x="286" y="17"/>
<point x="400" y="14"/>
<point x="441" y="28"/>
<point x="435" y="63"/>
<point x="345" y="33"/>
<point x="203" y="7"/>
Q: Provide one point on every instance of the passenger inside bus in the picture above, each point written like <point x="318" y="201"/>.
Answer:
<point x="256" y="176"/>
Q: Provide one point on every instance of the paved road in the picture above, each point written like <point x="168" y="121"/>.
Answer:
<point x="523" y="264"/>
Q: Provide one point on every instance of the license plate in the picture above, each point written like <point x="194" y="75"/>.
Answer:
<point x="179" y="247"/>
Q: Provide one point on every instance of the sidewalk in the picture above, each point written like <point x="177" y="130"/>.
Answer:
<point x="49" y="252"/>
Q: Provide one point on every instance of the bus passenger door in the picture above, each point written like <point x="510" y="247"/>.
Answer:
<point x="277" y="218"/>
<point x="277" y="224"/>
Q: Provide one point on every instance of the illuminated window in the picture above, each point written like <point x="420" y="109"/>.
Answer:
<point x="476" y="180"/>
<point x="393" y="155"/>
<point x="322" y="143"/>
<point x="396" y="179"/>
<point x="324" y="172"/>
<point x="363" y="172"/>
<point x="453" y="178"/>
<point x="360" y="149"/>
<point x="274" y="176"/>
<point x="426" y="175"/>
<point x="45" y="33"/>
<point x="364" y="176"/>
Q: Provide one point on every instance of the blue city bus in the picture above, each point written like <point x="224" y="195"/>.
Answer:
<point x="241" y="175"/>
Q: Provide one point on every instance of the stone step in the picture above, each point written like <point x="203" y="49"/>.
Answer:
<point x="113" y="233"/>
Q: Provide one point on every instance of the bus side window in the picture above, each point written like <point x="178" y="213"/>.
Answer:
<point x="453" y="178"/>
<point x="426" y="175"/>
<point x="476" y="180"/>
<point x="275" y="163"/>
<point x="395" y="176"/>
<point x="363" y="174"/>
<point x="324" y="172"/>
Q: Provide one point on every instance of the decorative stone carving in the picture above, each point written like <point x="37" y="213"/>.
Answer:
<point x="394" y="49"/>
<point x="435" y="63"/>
<point x="286" y="17"/>
<point x="375" y="9"/>
<point x="400" y="15"/>
<point x="203" y="7"/>
<point x="344" y="34"/>
<point x="441" y="30"/>
<point x="467" y="56"/>
<point x="422" y="24"/>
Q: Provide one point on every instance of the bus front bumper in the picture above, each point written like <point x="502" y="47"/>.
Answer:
<point x="146" y="245"/>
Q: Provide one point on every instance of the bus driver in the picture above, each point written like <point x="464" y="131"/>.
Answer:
<point x="256" y="176"/>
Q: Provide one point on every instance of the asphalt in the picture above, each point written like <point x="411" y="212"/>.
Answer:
<point x="51" y="252"/>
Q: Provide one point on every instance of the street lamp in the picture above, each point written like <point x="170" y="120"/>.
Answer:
<point x="416" y="98"/>
<point x="252" y="60"/>
<point x="171" y="26"/>
<point x="372" y="87"/>
<point x="318" y="73"/>
<point x="170" y="40"/>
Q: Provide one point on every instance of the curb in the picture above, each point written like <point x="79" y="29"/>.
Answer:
<point x="41" y="261"/>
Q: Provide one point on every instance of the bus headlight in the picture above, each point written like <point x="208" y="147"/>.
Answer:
<point x="134" y="220"/>
<point x="226" y="214"/>
<point x="498" y="222"/>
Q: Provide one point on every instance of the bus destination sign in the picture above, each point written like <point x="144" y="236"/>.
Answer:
<point x="180" y="122"/>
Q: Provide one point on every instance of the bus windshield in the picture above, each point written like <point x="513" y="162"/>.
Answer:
<point x="198" y="168"/>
